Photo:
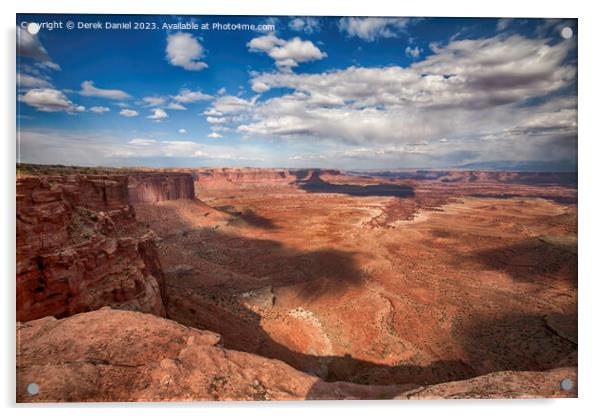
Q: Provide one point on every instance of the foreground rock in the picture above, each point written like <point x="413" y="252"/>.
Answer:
<point x="502" y="385"/>
<point x="113" y="355"/>
<point x="79" y="247"/>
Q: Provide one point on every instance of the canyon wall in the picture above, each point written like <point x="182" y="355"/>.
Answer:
<point x="79" y="247"/>
<point x="225" y="178"/>
<point x="156" y="187"/>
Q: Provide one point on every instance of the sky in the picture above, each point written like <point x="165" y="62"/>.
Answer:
<point x="350" y="93"/>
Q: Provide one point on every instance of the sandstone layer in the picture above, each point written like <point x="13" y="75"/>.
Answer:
<point x="79" y="247"/>
<point x="111" y="355"/>
<point x="156" y="187"/>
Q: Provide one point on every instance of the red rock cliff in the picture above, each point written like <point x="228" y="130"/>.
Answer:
<point x="79" y="247"/>
<point x="156" y="187"/>
<point x="218" y="178"/>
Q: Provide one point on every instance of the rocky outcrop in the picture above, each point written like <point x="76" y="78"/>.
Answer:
<point x="112" y="355"/>
<point x="156" y="187"/>
<point x="503" y="385"/>
<point x="79" y="247"/>
<point x="226" y="178"/>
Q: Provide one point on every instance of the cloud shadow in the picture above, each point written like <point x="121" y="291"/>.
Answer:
<point x="316" y="184"/>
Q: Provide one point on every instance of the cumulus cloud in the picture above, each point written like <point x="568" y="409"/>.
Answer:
<point x="29" y="46"/>
<point x="468" y="98"/>
<point x="100" y="110"/>
<point x="229" y="109"/>
<point x="230" y="104"/>
<point x="187" y="96"/>
<point x="175" y="106"/>
<point x="211" y="112"/>
<point x="157" y="114"/>
<point x="465" y="73"/>
<point x="89" y="90"/>
<point x="214" y="135"/>
<point x="128" y="113"/>
<point x="25" y="81"/>
<point x="286" y="53"/>
<point x="50" y="100"/>
<point x="182" y="131"/>
<point x="372" y="28"/>
<point x="308" y="25"/>
<point x="216" y="120"/>
<point x="154" y="101"/>
<point x="413" y="52"/>
<point x="185" y="51"/>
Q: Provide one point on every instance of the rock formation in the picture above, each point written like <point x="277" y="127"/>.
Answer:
<point x="451" y="285"/>
<point x="79" y="247"/>
<point x="156" y="187"/>
<point x="112" y="355"/>
<point x="226" y="178"/>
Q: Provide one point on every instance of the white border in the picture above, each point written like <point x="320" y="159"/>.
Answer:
<point x="590" y="202"/>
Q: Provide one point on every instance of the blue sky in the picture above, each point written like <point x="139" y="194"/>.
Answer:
<point x="351" y="93"/>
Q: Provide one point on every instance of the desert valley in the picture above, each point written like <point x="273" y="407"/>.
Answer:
<point x="267" y="284"/>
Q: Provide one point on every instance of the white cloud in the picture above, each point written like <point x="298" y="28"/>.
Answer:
<point x="413" y="52"/>
<point x="128" y="113"/>
<point x="214" y="135"/>
<point x="175" y="106"/>
<point x="187" y="96"/>
<point x="100" y="110"/>
<point x="94" y="148"/>
<point x="154" y="101"/>
<point x="28" y="81"/>
<point x="465" y="73"/>
<point x="182" y="131"/>
<point x="142" y="142"/>
<point x="476" y="94"/>
<point x="29" y="46"/>
<point x="229" y="109"/>
<point x="372" y="28"/>
<point x="49" y="65"/>
<point x="185" y="51"/>
<point x="503" y="24"/>
<point x="229" y="104"/>
<point x="221" y="91"/>
<point x="286" y="53"/>
<point x="308" y="25"/>
<point x="157" y="114"/>
<point x="89" y="90"/>
<point x="212" y="112"/>
<point x="50" y="100"/>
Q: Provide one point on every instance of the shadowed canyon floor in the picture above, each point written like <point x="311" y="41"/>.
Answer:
<point x="386" y="283"/>
<point x="375" y="289"/>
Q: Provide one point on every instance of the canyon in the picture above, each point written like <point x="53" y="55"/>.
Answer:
<point x="294" y="284"/>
